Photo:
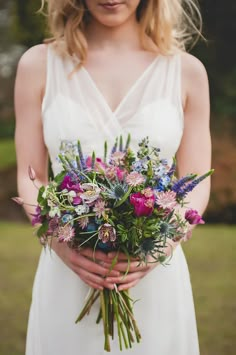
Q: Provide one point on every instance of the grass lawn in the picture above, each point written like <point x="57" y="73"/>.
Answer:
<point x="211" y="259"/>
<point x="7" y="153"/>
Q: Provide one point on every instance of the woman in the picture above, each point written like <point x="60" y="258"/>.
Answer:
<point x="114" y="67"/>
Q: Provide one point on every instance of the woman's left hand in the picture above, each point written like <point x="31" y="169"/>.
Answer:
<point x="136" y="270"/>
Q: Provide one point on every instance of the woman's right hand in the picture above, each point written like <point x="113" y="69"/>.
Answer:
<point x="87" y="264"/>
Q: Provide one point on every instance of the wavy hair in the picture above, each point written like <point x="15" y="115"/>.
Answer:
<point x="172" y="25"/>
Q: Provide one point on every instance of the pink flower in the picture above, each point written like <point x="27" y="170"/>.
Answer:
<point x="134" y="179"/>
<point x="120" y="173"/>
<point x="193" y="217"/>
<point x="166" y="200"/>
<point x="143" y="206"/>
<point x="148" y="192"/>
<point x="65" y="233"/>
<point x="99" y="208"/>
<point x="98" y="166"/>
<point x="83" y="222"/>
<point x="113" y="172"/>
<point x="117" y="158"/>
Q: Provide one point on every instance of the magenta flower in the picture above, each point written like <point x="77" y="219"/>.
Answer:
<point x="143" y="206"/>
<point x="120" y="173"/>
<point x="134" y="179"/>
<point x="193" y="217"/>
<point x="77" y="200"/>
<point x="69" y="184"/>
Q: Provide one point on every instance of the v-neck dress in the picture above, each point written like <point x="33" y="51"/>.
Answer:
<point x="74" y="108"/>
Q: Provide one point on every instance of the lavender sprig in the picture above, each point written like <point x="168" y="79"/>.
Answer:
<point x="81" y="156"/>
<point x="182" y="193"/>
<point x="178" y="185"/>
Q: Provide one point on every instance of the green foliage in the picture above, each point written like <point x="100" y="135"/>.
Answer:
<point x="7" y="153"/>
<point x="28" y="26"/>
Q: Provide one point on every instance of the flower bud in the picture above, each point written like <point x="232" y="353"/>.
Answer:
<point x="31" y="173"/>
<point x="18" y="200"/>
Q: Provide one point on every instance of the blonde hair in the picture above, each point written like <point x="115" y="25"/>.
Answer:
<point x="172" y="25"/>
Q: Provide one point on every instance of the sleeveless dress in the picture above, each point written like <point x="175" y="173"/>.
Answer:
<point x="75" y="109"/>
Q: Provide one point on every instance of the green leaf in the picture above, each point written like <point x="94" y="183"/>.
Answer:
<point x="60" y="177"/>
<point x="42" y="229"/>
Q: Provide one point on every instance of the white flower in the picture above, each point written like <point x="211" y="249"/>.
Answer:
<point x="81" y="209"/>
<point x="91" y="192"/>
<point x="55" y="211"/>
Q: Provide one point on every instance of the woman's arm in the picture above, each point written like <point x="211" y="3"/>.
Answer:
<point x="193" y="156"/>
<point x="31" y="150"/>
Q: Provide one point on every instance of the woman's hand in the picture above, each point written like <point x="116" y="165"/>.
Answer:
<point x="87" y="264"/>
<point x="136" y="271"/>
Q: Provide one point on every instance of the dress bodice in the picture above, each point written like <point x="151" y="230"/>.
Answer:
<point x="73" y="108"/>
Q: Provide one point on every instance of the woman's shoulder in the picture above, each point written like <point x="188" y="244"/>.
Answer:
<point x="194" y="77"/>
<point x="35" y="57"/>
<point x="33" y="63"/>
<point x="193" y="70"/>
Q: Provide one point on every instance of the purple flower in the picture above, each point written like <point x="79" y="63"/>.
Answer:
<point x="37" y="218"/>
<point x="193" y="217"/>
<point x="143" y="205"/>
<point x="106" y="233"/>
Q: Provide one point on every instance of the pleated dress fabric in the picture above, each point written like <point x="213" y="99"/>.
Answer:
<point x="73" y="108"/>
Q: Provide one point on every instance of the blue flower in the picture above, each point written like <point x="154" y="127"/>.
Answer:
<point x="163" y="183"/>
<point x="66" y="218"/>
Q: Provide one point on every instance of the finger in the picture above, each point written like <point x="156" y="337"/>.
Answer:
<point x="126" y="278"/>
<point x="90" y="277"/>
<point x="119" y="256"/>
<point x="95" y="255"/>
<point x="132" y="267"/>
<point x="91" y="266"/>
<point x="93" y="285"/>
<point x="128" y="285"/>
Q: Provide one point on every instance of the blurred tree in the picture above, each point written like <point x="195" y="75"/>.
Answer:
<point x="220" y="54"/>
<point x="28" y="26"/>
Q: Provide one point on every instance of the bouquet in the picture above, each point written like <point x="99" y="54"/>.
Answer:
<point x="124" y="201"/>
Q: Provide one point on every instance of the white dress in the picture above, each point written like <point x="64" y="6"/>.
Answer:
<point x="75" y="108"/>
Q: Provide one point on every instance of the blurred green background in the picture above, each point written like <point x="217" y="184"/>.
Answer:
<point x="210" y="253"/>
